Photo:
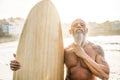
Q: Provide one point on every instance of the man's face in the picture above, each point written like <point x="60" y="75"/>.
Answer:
<point x="78" y="27"/>
<point x="79" y="30"/>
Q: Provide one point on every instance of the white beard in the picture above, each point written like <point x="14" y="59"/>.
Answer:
<point x="79" y="38"/>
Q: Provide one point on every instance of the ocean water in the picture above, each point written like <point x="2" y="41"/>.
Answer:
<point x="109" y="43"/>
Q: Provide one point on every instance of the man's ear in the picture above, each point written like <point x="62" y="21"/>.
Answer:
<point x="70" y="31"/>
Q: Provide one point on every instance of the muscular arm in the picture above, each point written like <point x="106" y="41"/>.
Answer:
<point x="99" y="67"/>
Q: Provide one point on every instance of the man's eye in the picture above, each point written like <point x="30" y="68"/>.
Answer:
<point x="82" y="25"/>
<point x="75" y="25"/>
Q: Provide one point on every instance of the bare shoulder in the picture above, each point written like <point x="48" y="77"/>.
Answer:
<point x="98" y="49"/>
<point x="67" y="49"/>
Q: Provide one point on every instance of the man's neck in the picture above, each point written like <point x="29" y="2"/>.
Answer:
<point x="82" y="45"/>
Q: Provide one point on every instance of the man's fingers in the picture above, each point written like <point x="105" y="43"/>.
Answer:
<point x="14" y="68"/>
<point x="14" y="61"/>
<point x="15" y="65"/>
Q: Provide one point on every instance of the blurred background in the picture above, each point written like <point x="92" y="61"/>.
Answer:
<point x="101" y="16"/>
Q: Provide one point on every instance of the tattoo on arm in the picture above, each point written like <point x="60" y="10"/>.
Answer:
<point x="100" y="53"/>
<point x="99" y="50"/>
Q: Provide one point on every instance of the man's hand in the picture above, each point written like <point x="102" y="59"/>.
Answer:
<point x="79" y="51"/>
<point x="14" y="64"/>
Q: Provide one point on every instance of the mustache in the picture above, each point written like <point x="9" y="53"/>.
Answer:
<point x="79" y="31"/>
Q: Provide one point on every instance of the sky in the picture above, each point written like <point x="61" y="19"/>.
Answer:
<point x="88" y="10"/>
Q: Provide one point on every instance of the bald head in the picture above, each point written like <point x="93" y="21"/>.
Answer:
<point x="78" y="22"/>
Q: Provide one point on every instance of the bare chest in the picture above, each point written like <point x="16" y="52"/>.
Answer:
<point x="71" y="59"/>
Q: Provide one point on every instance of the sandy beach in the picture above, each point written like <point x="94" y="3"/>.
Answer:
<point x="7" y="49"/>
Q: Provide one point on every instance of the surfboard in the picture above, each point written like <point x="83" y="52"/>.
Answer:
<point x="40" y="49"/>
